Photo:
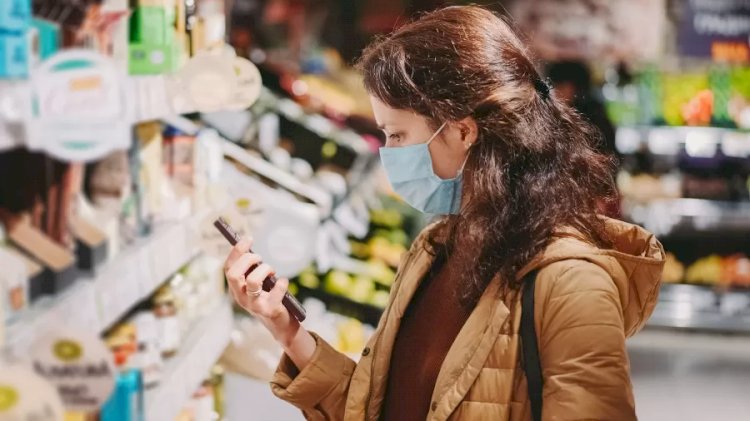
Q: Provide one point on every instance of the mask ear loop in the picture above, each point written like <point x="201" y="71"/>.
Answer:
<point x="465" y="160"/>
<point x="434" y="135"/>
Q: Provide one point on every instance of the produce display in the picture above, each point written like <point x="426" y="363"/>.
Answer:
<point x="360" y="287"/>
<point x="713" y="96"/>
<point x="713" y="270"/>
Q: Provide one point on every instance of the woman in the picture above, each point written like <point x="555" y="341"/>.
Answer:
<point x="475" y="135"/>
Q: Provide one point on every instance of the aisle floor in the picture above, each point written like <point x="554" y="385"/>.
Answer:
<point x="680" y="377"/>
<point x="689" y="377"/>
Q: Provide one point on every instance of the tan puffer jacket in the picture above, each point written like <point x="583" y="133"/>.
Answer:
<point x="587" y="302"/>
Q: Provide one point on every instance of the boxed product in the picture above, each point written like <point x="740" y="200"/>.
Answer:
<point x="153" y="59"/>
<point x="59" y="262"/>
<point x="14" y="54"/>
<point x="91" y="243"/>
<point x="152" y="25"/>
<point x="15" y="14"/>
<point x="48" y="38"/>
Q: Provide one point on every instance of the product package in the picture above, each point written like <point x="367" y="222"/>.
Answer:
<point x="91" y="243"/>
<point x="60" y="271"/>
<point x="153" y="44"/>
<point x="13" y="284"/>
<point x="15" y="19"/>
<point x="126" y="402"/>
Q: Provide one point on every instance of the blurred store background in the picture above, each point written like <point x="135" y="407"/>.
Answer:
<point x="126" y="126"/>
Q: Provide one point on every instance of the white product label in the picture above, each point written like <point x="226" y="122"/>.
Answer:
<point x="80" y="107"/>
<point x="79" y="364"/>
<point x="25" y="396"/>
<point x="249" y="85"/>
<point x="169" y="333"/>
<point x="209" y="80"/>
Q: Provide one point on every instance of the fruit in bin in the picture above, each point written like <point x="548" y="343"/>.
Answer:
<point x="698" y="111"/>
<point x="309" y="280"/>
<point x="351" y="336"/>
<point x="359" y="250"/>
<point x="381" y="272"/>
<point x="379" y="298"/>
<point x="381" y="248"/>
<point x="674" y="270"/>
<point x="293" y="289"/>
<point x="362" y="289"/>
<point x="736" y="270"/>
<point x="398" y="236"/>
<point x="705" y="270"/>
<point x="378" y="244"/>
<point x="337" y="282"/>
<point x="390" y="218"/>
<point x="743" y="272"/>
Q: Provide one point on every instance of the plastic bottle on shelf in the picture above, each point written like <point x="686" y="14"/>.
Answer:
<point x="165" y="311"/>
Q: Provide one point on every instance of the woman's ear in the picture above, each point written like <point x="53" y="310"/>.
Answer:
<point x="468" y="130"/>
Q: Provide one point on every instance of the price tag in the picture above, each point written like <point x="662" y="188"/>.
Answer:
<point x="24" y="395"/>
<point x="80" y="107"/>
<point x="78" y="364"/>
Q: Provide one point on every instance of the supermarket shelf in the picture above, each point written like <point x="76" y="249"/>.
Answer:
<point x="702" y="308"/>
<point x="365" y="313"/>
<point x="316" y="123"/>
<point x="185" y="372"/>
<point x="100" y="300"/>
<point x="153" y="99"/>
<point x="663" y="217"/>
<point x="698" y="142"/>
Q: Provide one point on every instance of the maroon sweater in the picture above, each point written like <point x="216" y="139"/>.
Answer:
<point x="428" y="328"/>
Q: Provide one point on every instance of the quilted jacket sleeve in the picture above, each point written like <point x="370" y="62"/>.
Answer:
<point x="582" y="345"/>
<point x="321" y="388"/>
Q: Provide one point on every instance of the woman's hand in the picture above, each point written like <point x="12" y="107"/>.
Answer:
<point x="266" y="306"/>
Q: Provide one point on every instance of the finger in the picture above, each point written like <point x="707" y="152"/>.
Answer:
<point x="238" y="250"/>
<point x="277" y="293"/>
<point x="236" y="273"/>
<point x="275" y="307"/>
<point x="255" y="278"/>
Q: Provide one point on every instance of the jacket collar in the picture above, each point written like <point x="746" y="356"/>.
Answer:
<point x="468" y="352"/>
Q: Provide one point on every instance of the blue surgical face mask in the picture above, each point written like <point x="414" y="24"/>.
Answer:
<point x="409" y="169"/>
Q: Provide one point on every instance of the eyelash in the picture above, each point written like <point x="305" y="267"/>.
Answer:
<point x="394" y="137"/>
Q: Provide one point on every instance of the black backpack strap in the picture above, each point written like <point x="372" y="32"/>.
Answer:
<point x="531" y="365"/>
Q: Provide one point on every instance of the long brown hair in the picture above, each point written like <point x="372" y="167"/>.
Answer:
<point x="533" y="168"/>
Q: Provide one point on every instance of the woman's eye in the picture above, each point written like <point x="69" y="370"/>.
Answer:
<point x="394" y="137"/>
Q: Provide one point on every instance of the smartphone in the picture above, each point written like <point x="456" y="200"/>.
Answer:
<point x="290" y="303"/>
